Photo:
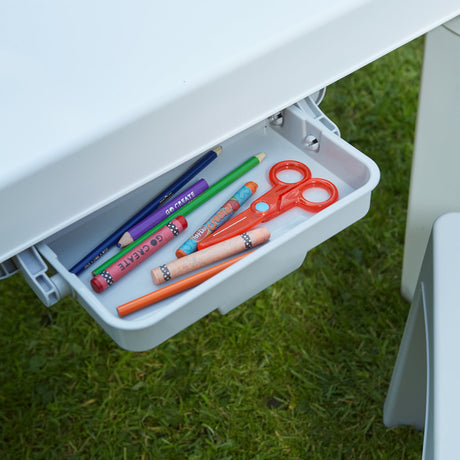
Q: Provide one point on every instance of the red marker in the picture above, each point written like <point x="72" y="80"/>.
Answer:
<point x="138" y="254"/>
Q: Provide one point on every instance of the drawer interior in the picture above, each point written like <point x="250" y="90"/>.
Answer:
<point x="292" y="233"/>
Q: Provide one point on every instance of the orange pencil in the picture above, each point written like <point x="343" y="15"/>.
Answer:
<point x="175" y="288"/>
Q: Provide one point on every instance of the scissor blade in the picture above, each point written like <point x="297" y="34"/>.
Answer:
<point x="235" y="226"/>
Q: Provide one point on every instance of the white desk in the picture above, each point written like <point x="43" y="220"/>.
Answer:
<point x="99" y="98"/>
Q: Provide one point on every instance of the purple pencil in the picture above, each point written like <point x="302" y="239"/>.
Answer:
<point x="162" y="213"/>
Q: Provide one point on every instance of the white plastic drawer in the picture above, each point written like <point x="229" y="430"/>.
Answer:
<point x="299" y="133"/>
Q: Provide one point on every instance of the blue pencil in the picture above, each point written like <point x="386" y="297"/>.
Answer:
<point x="112" y="240"/>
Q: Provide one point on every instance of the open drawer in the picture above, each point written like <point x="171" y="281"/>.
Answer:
<point x="302" y="133"/>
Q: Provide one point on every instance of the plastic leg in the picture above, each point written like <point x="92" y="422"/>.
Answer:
<point x="405" y="401"/>
<point x="435" y="184"/>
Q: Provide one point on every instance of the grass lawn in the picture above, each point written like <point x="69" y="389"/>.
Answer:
<point x="300" y="371"/>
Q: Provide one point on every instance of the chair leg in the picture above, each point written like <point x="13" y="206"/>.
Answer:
<point x="406" y="399"/>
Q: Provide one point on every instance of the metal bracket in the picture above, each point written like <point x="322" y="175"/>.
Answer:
<point x="292" y="123"/>
<point x="34" y="269"/>
<point x="7" y="268"/>
<point x="309" y="106"/>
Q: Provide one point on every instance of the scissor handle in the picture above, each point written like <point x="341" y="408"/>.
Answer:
<point x="294" y="196"/>
<point x="315" y="206"/>
<point x="288" y="165"/>
<point x="280" y="198"/>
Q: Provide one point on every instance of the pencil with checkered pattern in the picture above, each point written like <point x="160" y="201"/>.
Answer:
<point x="209" y="255"/>
<point x="138" y="254"/>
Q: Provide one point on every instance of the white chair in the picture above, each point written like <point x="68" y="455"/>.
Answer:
<point x="425" y="387"/>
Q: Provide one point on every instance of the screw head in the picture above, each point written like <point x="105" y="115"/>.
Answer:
<point x="312" y="143"/>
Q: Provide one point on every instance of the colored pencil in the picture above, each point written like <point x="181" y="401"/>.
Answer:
<point x="175" y="288"/>
<point x="138" y="254"/>
<point x="189" y="207"/>
<point x="164" y="195"/>
<point x="218" y="218"/>
<point x="209" y="255"/>
<point x="162" y="213"/>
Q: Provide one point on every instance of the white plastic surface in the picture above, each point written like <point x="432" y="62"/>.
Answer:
<point x="435" y="184"/>
<point x="292" y="233"/>
<point x="7" y="269"/>
<point x="49" y="289"/>
<point x="436" y="304"/>
<point x="99" y="98"/>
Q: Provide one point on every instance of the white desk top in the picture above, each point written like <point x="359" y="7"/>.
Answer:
<point x="84" y="84"/>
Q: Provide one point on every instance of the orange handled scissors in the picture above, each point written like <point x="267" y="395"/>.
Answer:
<point x="280" y="198"/>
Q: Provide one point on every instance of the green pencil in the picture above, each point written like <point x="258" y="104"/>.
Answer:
<point x="189" y="207"/>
